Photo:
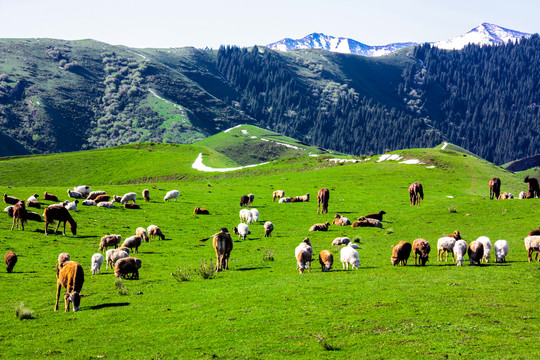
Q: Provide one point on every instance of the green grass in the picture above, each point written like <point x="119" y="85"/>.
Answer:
<point x="265" y="309"/>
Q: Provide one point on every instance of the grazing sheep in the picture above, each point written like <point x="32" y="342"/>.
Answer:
<point x="74" y="194"/>
<point x="9" y="210"/>
<point x="11" y="259"/>
<point x="341" y="241"/>
<point x="341" y="220"/>
<point x="446" y="245"/>
<point x="460" y="249"/>
<point x="142" y="233"/>
<point x="89" y="203"/>
<point x="94" y="194"/>
<point x="50" y="197"/>
<point x="251" y="198"/>
<point x="33" y="204"/>
<point x="377" y="216"/>
<point x="349" y="255"/>
<point x="487" y="247"/>
<point x="113" y="255"/>
<point x="133" y="242"/>
<point x="117" y="198"/>
<point x="146" y="195"/>
<point x="128" y="265"/>
<point x="367" y="222"/>
<point x="199" y="211"/>
<point x="19" y="215"/>
<point x="323" y="196"/>
<point x="320" y="227"/>
<point x="131" y="206"/>
<point x="401" y="253"/>
<point x="223" y="246"/>
<point x="326" y="259"/>
<point x="106" y="204"/>
<point x="254" y="215"/>
<point x="173" y="194"/>
<point x="503" y="196"/>
<point x="109" y="240"/>
<point x="153" y="231"/>
<point x="102" y="198"/>
<point x="62" y="258"/>
<point x="421" y="249"/>
<point x="475" y="252"/>
<point x="242" y="231"/>
<point x="501" y="250"/>
<point x="71" y="205"/>
<point x="244" y="200"/>
<point x="246" y="216"/>
<point x="532" y="244"/>
<point x="97" y="260"/>
<point x="130" y="196"/>
<point x="304" y="256"/>
<point x="70" y="276"/>
<point x="10" y="199"/>
<point x="83" y="190"/>
<point x="268" y="228"/>
<point x="285" y="200"/>
<point x="278" y="194"/>
<point x="494" y="188"/>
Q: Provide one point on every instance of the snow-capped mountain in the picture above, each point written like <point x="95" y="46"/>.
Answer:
<point x="336" y="44"/>
<point x="484" y="34"/>
<point x="481" y="35"/>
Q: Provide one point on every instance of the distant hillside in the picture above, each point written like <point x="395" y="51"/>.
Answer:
<point x="523" y="164"/>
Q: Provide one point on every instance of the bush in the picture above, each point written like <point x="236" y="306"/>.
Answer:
<point x="269" y="254"/>
<point x="23" y="313"/>
<point x="452" y="209"/>
<point x="182" y="275"/>
<point x="206" y="271"/>
<point x="120" y="287"/>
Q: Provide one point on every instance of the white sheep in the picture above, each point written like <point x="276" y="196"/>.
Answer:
<point x="89" y="203"/>
<point x="106" y="204"/>
<point x="304" y="255"/>
<point x="242" y="231"/>
<point x="83" y="189"/>
<point x="32" y="198"/>
<point x="254" y="215"/>
<point x="510" y="196"/>
<point x="97" y="260"/>
<point x="349" y="255"/>
<point x="501" y="250"/>
<point x="131" y="196"/>
<point x="341" y="241"/>
<point x="74" y="194"/>
<point x="142" y="233"/>
<point x="445" y="245"/>
<point x="173" y="194"/>
<point x="246" y="216"/>
<point x="113" y="255"/>
<point x="268" y="228"/>
<point x="71" y="205"/>
<point x="522" y="195"/>
<point x="532" y="244"/>
<point x="487" y="247"/>
<point x="285" y="200"/>
<point x="460" y="249"/>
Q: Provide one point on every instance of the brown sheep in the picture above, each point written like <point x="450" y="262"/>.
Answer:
<point x="278" y="194"/>
<point x="128" y="265"/>
<point x="61" y="214"/>
<point x="326" y="259"/>
<point x="109" y="241"/>
<point x="133" y="242"/>
<point x="475" y="252"/>
<point x="302" y="198"/>
<point x="416" y="193"/>
<point x="304" y="256"/>
<point x="10" y="200"/>
<point x="366" y="222"/>
<point x="223" y="246"/>
<point x="341" y="220"/>
<point x="33" y="204"/>
<point x="377" y="216"/>
<point x="421" y="249"/>
<point x="494" y="188"/>
<point x="320" y="227"/>
<point x="244" y="200"/>
<point x="154" y="231"/>
<point x="199" y="211"/>
<point x="19" y="215"/>
<point x="70" y="276"/>
<point x="50" y="197"/>
<point x="131" y="206"/>
<point x="503" y="196"/>
<point x="94" y="194"/>
<point x="323" y="195"/>
<point x="11" y="259"/>
<point x="102" y="198"/>
<point x="400" y="253"/>
<point x="30" y="215"/>
<point x="146" y="195"/>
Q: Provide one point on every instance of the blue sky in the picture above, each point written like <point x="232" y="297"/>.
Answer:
<point x="201" y="23"/>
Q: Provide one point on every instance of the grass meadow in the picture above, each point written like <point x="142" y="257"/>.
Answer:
<point x="263" y="309"/>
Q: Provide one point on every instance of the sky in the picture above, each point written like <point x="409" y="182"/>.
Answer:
<point x="211" y="23"/>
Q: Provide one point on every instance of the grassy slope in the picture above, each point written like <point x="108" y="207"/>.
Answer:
<point x="261" y="309"/>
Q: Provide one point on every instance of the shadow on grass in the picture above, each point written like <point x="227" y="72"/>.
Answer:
<point x="97" y="307"/>
<point x="252" y="268"/>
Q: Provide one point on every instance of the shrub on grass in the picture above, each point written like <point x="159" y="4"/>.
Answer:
<point x="269" y="254"/>
<point x="452" y="209"/>
<point x="357" y="239"/>
<point x="182" y="275"/>
<point x="23" y="313"/>
<point x="206" y="271"/>
<point x="390" y="230"/>
<point x="325" y="345"/>
<point x="120" y="287"/>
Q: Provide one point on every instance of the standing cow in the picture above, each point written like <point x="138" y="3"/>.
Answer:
<point x="70" y="276"/>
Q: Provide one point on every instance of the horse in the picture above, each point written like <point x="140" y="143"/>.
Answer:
<point x="416" y="193"/>
<point x="494" y="188"/>
<point x="322" y="197"/>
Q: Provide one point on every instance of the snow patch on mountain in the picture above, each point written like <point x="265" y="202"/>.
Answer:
<point x="484" y="34"/>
